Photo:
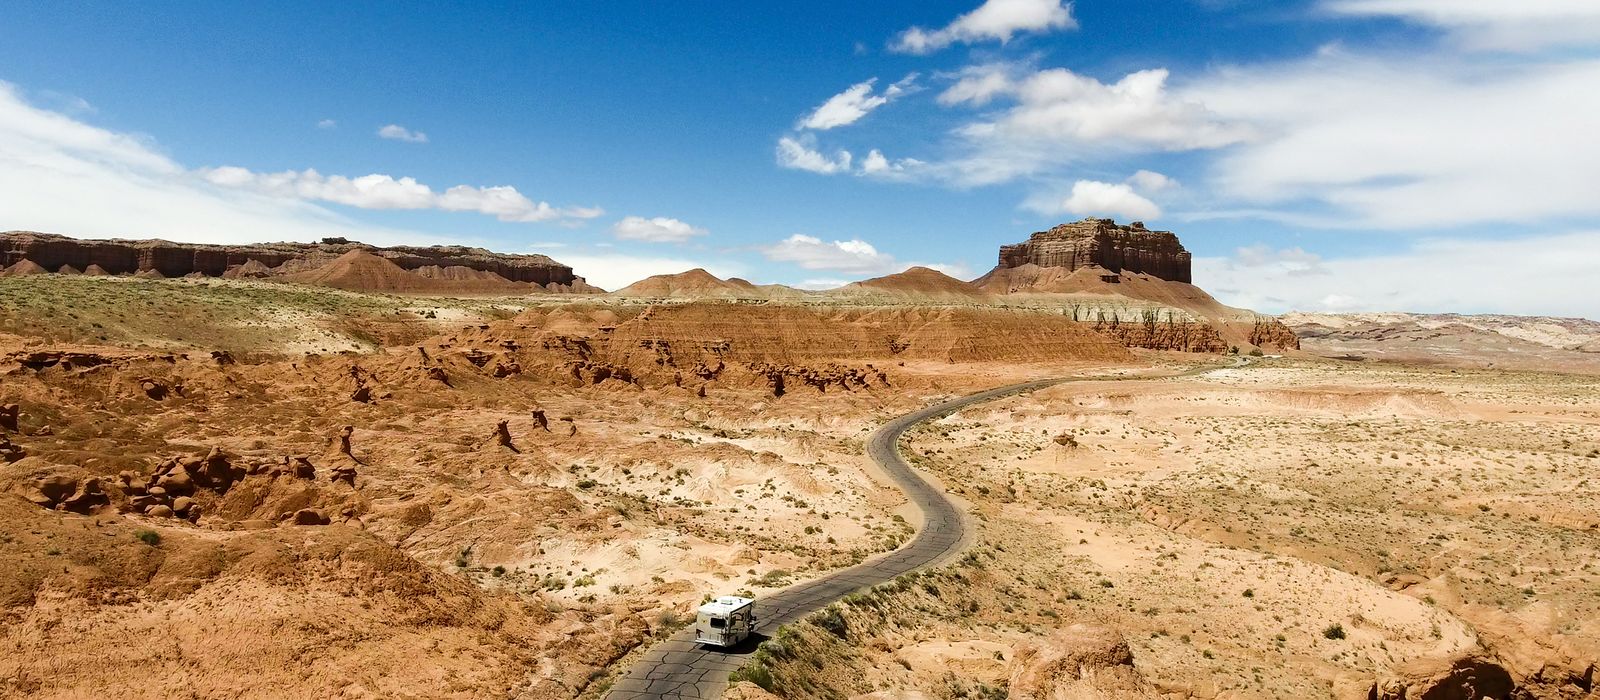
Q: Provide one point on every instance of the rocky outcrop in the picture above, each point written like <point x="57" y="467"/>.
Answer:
<point x="266" y="260"/>
<point x="1465" y="677"/>
<point x="1152" y="334"/>
<point x="1271" y="333"/>
<point x="1081" y="662"/>
<point x="1102" y="243"/>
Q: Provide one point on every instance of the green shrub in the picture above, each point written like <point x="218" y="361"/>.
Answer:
<point x="1334" y="631"/>
<point x="149" y="537"/>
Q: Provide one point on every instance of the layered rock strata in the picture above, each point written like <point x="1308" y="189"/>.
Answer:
<point x="122" y="257"/>
<point x="1103" y="243"/>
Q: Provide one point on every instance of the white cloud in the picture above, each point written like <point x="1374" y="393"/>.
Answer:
<point x="62" y="175"/>
<point x="852" y="257"/>
<point x="1415" y="143"/>
<point x="1518" y="25"/>
<point x="395" y="132"/>
<point x="1058" y="117"/>
<point x="994" y="20"/>
<point x="1059" y="106"/>
<point x="659" y="229"/>
<point x="1094" y="198"/>
<point x="377" y="191"/>
<point x="615" y="271"/>
<point x="327" y="124"/>
<point x="1542" y="275"/>
<point x="978" y="85"/>
<point x="1288" y="261"/>
<point x="799" y="153"/>
<point x="855" y="102"/>
<point x="879" y="166"/>
<point x="1151" y="181"/>
<point x="818" y="284"/>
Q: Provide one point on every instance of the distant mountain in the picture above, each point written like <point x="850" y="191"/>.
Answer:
<point x="917" y="284"/>
<point x="1490" y="340"/>
<point x="700" y="284"/>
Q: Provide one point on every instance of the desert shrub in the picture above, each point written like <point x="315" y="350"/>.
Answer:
<point x="1334" y="631"/>
<point x="149" y="537"/>
<point x="833" y="621"/>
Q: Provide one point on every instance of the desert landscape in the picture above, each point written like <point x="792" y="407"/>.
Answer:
<point x="351" y="479"/>
<point x="933" y="350"/>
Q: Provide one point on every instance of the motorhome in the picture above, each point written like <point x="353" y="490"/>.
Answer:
<point x="726" y="621"/>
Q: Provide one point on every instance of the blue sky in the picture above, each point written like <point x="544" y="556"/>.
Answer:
<point x="1429" y="155"/>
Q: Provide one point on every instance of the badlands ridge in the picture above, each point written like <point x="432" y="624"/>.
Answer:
<point x="334" y="470"/>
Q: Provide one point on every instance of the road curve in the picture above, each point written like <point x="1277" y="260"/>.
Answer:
<point x="679" y="668"/>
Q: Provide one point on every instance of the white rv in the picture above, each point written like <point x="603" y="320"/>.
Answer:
<point x="725" y="621"/>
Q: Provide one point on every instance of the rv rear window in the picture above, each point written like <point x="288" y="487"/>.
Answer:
<point x="718" y="622"/>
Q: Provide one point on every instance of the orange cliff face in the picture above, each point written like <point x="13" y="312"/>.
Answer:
<point x="1090" y="265"/>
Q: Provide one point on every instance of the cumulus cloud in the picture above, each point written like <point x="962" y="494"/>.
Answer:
<point x="1151" y="181"/>
<point x="800" y="153"/>
<point x="327" y="124"/>
<point x="1060" y="106"/>
<point x="1520" y="25"/>
<point x="1055" y="117"/>
<point x="1547" y="275"/>
<point x="994" y="20"/>
<point x="395" y="132"/>
<point x="377" y="191"/>
<point x="855" y="102"/>
<point x="62" y="175"/>
<point x="659" y="229"/>
<point x="1095" y="198"/>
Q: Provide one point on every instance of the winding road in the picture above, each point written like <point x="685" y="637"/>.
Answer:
<point x="680" y="668"/>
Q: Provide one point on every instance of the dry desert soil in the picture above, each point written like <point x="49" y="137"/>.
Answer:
<point x="534" y="489"/>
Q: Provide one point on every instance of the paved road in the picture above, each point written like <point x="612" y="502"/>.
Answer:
<point x="679" y="668"/>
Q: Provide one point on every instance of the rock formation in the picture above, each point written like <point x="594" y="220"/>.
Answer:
<point x="699" y="284"/>
<point x="1116" y="276"/>
<point x="10" y="451"/>
<point x="9" y="414"/>
<point x="1102" y="243"/>
<point x="917" y="285"/>
<point x="1080" y="662"/>
<point x="502" y="436"/>
<point x="43" y="252"/>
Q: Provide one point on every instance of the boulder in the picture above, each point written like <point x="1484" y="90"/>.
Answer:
<point x="9" y="416"/>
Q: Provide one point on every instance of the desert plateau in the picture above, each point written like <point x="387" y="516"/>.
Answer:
<point x="937" y="350"/>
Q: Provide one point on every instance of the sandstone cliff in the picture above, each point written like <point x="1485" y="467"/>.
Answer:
<point x="268" y="260"/>
<point x="1117" y="276"/>
<point x="1102" y="243"/>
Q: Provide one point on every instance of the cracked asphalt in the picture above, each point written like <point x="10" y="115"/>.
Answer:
<point x="680" y="668"/>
